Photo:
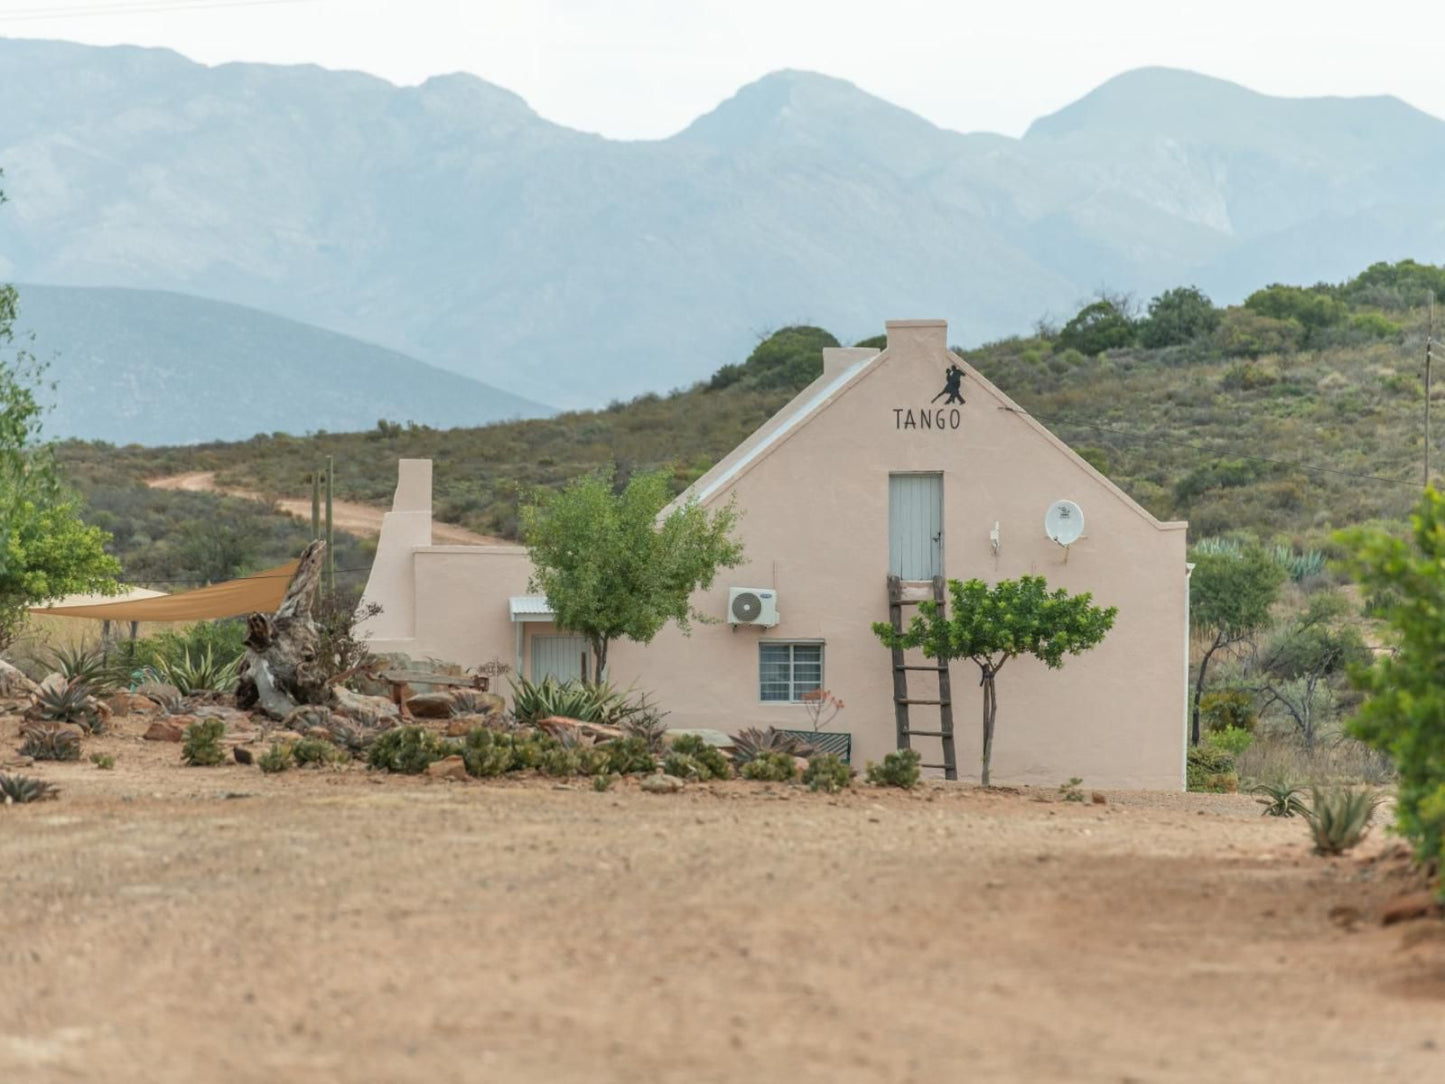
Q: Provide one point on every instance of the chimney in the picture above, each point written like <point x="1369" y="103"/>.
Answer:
<point x="926" y="336"/>
<point x="838" y="359"/>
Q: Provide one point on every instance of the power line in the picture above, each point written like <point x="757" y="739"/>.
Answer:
<point x="1310" y="468"/>
<point x="134" y="7"/>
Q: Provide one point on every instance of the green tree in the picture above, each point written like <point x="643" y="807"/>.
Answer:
<point x="1178" y="316"/>
<point x="1304" y="656"/>
<point x="789" y="358"/>
<point x="1099" y="326"/>
<point x="46" y="550"/>
<point x="1312" y="308"/>
<point x="611" y="570"/>
<point x="1404" y="710"/>
<point x="991" y="625"/>
<point x="1230" y="596"/>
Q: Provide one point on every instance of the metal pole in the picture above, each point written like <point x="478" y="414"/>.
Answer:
<point x="330" y="548"/>
<point x="315" y="505"/>
<point x="1429" y="350"/>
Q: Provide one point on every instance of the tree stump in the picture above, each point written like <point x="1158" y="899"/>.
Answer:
<point x="280" y="671"/>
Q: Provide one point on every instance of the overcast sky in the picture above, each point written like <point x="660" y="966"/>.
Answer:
<point x="642" y="69"/>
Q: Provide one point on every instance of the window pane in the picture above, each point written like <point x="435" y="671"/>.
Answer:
<point x="787" y="671"/>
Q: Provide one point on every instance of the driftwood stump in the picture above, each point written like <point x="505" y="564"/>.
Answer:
<point x="280" y="671"/>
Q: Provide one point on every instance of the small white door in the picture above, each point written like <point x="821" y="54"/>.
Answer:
<point x="559" y="657"/>
<point x="915" y="526"/>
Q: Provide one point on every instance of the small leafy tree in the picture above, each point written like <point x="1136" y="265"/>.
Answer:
<point x="1230" y="596"/>
<point x="1099" y="326"/>
<point x="1404" y="710"/>
<point x="46" y="550"/>
<point x="1304" y="656"/>
<point x="991" y="625"/>
<point x="610" y="570"/>
<point x="1177" y="316"/>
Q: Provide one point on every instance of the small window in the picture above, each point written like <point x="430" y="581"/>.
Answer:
<point x="787" y="670"/>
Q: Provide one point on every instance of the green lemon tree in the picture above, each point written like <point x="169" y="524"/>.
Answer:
<point x="991" y="625"/>
<point x="611" y="570"/>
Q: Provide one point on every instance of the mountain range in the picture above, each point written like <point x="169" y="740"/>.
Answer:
<point x="451" y="223"/>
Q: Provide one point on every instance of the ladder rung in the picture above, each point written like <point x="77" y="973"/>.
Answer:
<point x="929" y="733"/>
<point x="940" y="703"/>
<point x="936" y="669"/>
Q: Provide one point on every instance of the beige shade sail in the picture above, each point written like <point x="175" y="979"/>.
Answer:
<point x="261" y="593"/>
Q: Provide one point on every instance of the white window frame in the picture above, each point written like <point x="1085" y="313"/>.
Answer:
<point x="794" y="693"/>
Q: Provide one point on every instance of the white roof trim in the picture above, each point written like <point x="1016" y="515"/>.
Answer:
<point x="757" y="451"/>
<point x="530" y="608"/>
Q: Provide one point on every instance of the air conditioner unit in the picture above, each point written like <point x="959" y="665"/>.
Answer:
<point x="753" y="606"/>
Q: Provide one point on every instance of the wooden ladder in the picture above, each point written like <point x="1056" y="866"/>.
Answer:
<point x="902" y="701"/>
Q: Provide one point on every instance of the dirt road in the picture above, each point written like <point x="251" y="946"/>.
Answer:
<point x="171" y="924"/>
<point x="362" y="520"/>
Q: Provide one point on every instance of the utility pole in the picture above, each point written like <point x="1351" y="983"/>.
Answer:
<point x="330" y="548"/>
<point x="1429" y="351"/>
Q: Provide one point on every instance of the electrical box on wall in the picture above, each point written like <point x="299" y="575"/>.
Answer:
<point x="753" y="606"/>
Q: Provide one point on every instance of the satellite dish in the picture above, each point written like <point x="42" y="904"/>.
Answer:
<point x="1064" y="523"/>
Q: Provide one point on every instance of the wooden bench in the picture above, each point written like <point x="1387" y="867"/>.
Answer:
<point x="402" y="680"/>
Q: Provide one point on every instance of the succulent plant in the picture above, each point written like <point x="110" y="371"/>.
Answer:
<point x="202" y="748"/>
<point x="50" y="741"/>
<point x="1340" y="817"/>
<point x="751" y="743"/>
<point x="20" y="789"/>
<point x="472" y="702"/>
<point x="62" y="700"/>
<point x="1280" y="800"/>
<point x="90" y="666"/>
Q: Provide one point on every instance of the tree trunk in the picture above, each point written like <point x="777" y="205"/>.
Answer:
<point x="280" y="671"/>
<point x="990" y="712"/>
<point x="1199" y="688"/>
<point x="599" y="661"/>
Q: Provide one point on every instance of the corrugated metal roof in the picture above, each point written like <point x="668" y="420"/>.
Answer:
<point x="523" y="606"/>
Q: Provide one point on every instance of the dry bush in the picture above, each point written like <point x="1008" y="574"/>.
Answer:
<point x="1338" y="760"/>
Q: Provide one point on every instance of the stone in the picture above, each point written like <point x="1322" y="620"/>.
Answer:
<point x="165" y="730"/>
<point x="714" y="738"/>
<point x="243" y="755"/>
<point x="556" y="725"/>
<point x="14" y="685"/>
<point x="662" y="784"/>
<point x="447" y="702"/>
<point x="459" y="726"/>
<point x="158" y="691"/>
<point x="132" y="704"/>
<point x="453" y="767"/>
<point x="366" y="710"/>
<point x="1098" y="798"/>
<point x="800" y="764"/>
<point x="1410" y="906"/>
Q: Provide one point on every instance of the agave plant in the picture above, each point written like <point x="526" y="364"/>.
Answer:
<point x="201" y="675"/>
<point x="20" y="789"/>
<point x="50" y="741"/>
<point x="1280" y="800"/>
<point x="750" y="743"/>
<point x="534" y="700"/>
<point x="472" y="702"/>
<point x="90" y="666"/>
<point x="1341" y="817"/>
<point x="59" y="700"/>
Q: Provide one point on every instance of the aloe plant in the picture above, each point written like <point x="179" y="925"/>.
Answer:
<point x="20" y="789"/>
<point x="1280" y="800"/>
<point x="1340" y="817"/>
<point x="201" y="675"/>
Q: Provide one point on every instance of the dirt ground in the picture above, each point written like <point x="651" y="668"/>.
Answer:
<point x="165" y="924"/>
<point x="361" y="520"/>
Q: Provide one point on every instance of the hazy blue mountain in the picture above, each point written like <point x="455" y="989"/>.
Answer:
<point x="450" y="222"/>
<point x="148" y="367"/>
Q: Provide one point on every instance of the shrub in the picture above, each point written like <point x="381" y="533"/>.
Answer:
<point x="203" y="674"/>
<point x="487" y="753"/>
<point x="1228" y="709"/>
<point x="631" y="755"/>
<point x="1280" y="800"/>
<point x="533" y="701"/>
<point x="898" y="769"/>
<point x="313" y="751"/>
<point x="1340" y="817"/>
<point x="202" y="745"/>
<point x="275" y="759"/>
<point x="50" y="741"/>
<point x="712" y="759"/>
<point x="104" y="761"/>
<point x="1211" y="770"/>
<point x="1247" y="334"/>
<point x="1233" y="740"/>
<point x="601" y="783"/>
<point x="1099" y="326"/>
<point x="1070" y="791"/>
<point x="684" y="766"/>
<point x="827" y="772"/>
<point x="20" y="789"/>
<point x="770" y="768"/>
<point x="407" y="750"/>
<point x="1178" y="316"/>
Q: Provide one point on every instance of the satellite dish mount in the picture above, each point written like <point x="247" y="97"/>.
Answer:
<point x="1064" y="524"/>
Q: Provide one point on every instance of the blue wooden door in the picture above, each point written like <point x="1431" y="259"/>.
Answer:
<point x="915" y="526"/>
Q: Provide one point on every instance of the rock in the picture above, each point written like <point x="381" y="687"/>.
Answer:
<point x="18" y="762"/>
<point x="132" y="704"/>
<point x="307" y="717"/>
<point x="662" y="784"/>
<point x="800" y="764"/>
<point x="714" y="738"/>
<point x="366" y="710"/>
<point x="14" y="685"/>
<point x="319" y="732"/>
<point x="1410" y="906"/>
<point x="1098" y="798"/>
<point x="284" y="736"/>
<point x="453" y="767"/>
<point x="1344" y="916"/>
<point x="243" y="755"/>
<point x="440" y="705"/>
<point x="166" y="730"/>
<point x="459" y="726"/>
<point x="556" y="725"/>
<point x="158" y="691"/>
